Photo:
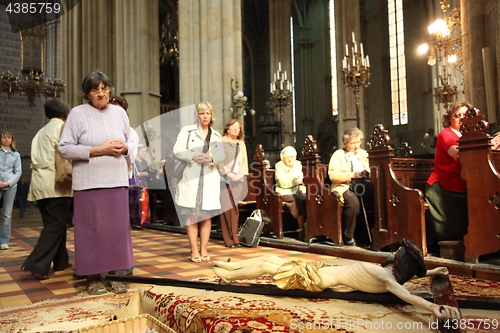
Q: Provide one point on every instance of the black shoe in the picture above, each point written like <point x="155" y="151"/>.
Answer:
<point x="237" y="245"/>
<point x="350" y="242"/>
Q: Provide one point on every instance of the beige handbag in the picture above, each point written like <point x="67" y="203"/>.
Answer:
<point x="64" y="168"/>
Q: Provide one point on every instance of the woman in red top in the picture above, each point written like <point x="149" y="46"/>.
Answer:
<point x="446" y="190"/>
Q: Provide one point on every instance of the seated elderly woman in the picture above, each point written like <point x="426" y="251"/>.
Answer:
<point x="349" y="172"/>
<point x="290" y="186"/>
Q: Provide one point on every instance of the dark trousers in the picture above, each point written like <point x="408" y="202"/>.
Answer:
<point x="21" y="202"/>
<point x="51" y="245"/>
<point x="350" y="212"/>
<point x="448" y="214"/>
<point x="229" y="217"/>
<point x="361" y="188"/>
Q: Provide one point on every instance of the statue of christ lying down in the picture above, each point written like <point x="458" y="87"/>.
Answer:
<point x="407" y="263"/>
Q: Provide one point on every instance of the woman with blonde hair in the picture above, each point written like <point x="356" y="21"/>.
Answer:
<point x="198" y="192"/>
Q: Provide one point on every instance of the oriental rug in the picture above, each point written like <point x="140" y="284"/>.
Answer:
<point x="62" y="315"/>
<point x="205" y="311"/>
<point x="196" y="310"/>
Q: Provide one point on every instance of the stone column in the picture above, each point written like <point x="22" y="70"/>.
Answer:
<point x="120" y="39"/>
<point x="473" y="40"/>
<point x="136" y="62"/>
<point x="347" y="14"/>
<point x="210" y="54"/>
<point x="280" y="12"/>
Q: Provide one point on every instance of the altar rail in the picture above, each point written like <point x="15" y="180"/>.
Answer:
<point x="480" y="169"/>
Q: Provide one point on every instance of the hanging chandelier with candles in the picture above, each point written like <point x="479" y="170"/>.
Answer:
<point x="355" y="68"/>
<point x="445" y="50"/>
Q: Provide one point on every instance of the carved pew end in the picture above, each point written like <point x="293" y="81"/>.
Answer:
<point x="452" y="250"/>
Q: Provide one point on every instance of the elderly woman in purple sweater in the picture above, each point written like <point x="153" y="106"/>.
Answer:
<point x="97" y="139"/>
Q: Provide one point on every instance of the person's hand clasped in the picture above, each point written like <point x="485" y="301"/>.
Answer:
<point x="202" y="158"/>
<point x="112" y="148"/>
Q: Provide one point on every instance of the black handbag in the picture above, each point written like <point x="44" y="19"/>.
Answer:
<point x="249" y="234"/>
<point x="174" y="167"/>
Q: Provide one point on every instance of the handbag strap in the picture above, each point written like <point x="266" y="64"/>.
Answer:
<point x="187" y="141"/>
<point x="236" y="151"/>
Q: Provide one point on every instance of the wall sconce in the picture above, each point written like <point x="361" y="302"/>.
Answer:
<point x="239" y="102"/>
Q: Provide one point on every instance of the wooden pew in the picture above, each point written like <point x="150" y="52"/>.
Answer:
<point x="399" y="184"/>
<point x="483" y="187"/>
<point x="323" y="207"/>
<point x="261" y="182"/>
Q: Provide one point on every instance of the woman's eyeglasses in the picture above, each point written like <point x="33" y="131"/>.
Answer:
<point x="97" y="90"/>
<point x="459" y="115"/>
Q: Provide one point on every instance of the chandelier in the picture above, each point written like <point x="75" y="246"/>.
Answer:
<point x="445" y="50"/>
<point x="169" y="41"/>
<point x="281" y="98"/>
<point x="32" y="83"/>
<point x="239" y="102"/>
<point x="444" y="91"/>
<point x="355" y="68"/>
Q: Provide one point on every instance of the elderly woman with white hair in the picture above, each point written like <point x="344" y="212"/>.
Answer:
<point x="290" y="185"/>
<point x="348" y="170"/>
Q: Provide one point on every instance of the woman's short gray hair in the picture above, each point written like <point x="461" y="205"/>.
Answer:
<point x="351" y="133"/>
<point x="288" y="150"/>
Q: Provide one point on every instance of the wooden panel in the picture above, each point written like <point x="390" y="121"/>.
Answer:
<point x="483" y="187"/>
<point x="324" y="207"/>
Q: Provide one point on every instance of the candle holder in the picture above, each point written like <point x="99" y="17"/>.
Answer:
<point x="281" y="97"/>
<point x="355" y="68"/>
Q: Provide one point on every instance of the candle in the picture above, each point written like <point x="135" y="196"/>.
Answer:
<point x="275" y="77"/>
<point x="281" y="85"/>
<point x="271" y="88"/>
<point x="285" y="75"/>
<point x="346" y="50"/>
<point x="355" y="48"/>
<point x="367" y="62"/>
<point x="361" y="48"/>
<point x="353" y="38"/>
<point x="279" y="66"/>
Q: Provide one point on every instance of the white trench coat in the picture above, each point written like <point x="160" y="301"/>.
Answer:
<point x="188" y="185"/>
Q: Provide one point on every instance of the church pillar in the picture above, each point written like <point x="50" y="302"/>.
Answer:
<point x="136" y="42"/>
<point x="210" y="54"/>
<point x="347" y="13"/>
<point x="473" y="40"/>
<point x="114" y="37"/>
<point x="280" y="12"/>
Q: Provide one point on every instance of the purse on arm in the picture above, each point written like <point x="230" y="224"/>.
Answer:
<point x="174" y="167"/>
<point x="64" y="168"/>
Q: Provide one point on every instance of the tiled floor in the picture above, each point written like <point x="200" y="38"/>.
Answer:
<point x="156" y="254"/>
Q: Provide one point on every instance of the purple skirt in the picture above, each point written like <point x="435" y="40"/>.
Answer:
<point x="103" y="240"/>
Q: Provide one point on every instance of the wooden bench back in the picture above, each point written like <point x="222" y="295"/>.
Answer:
<point x="323" y="206"/>
<point x="399" y="185"/>
<point x="480" y="169"/>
